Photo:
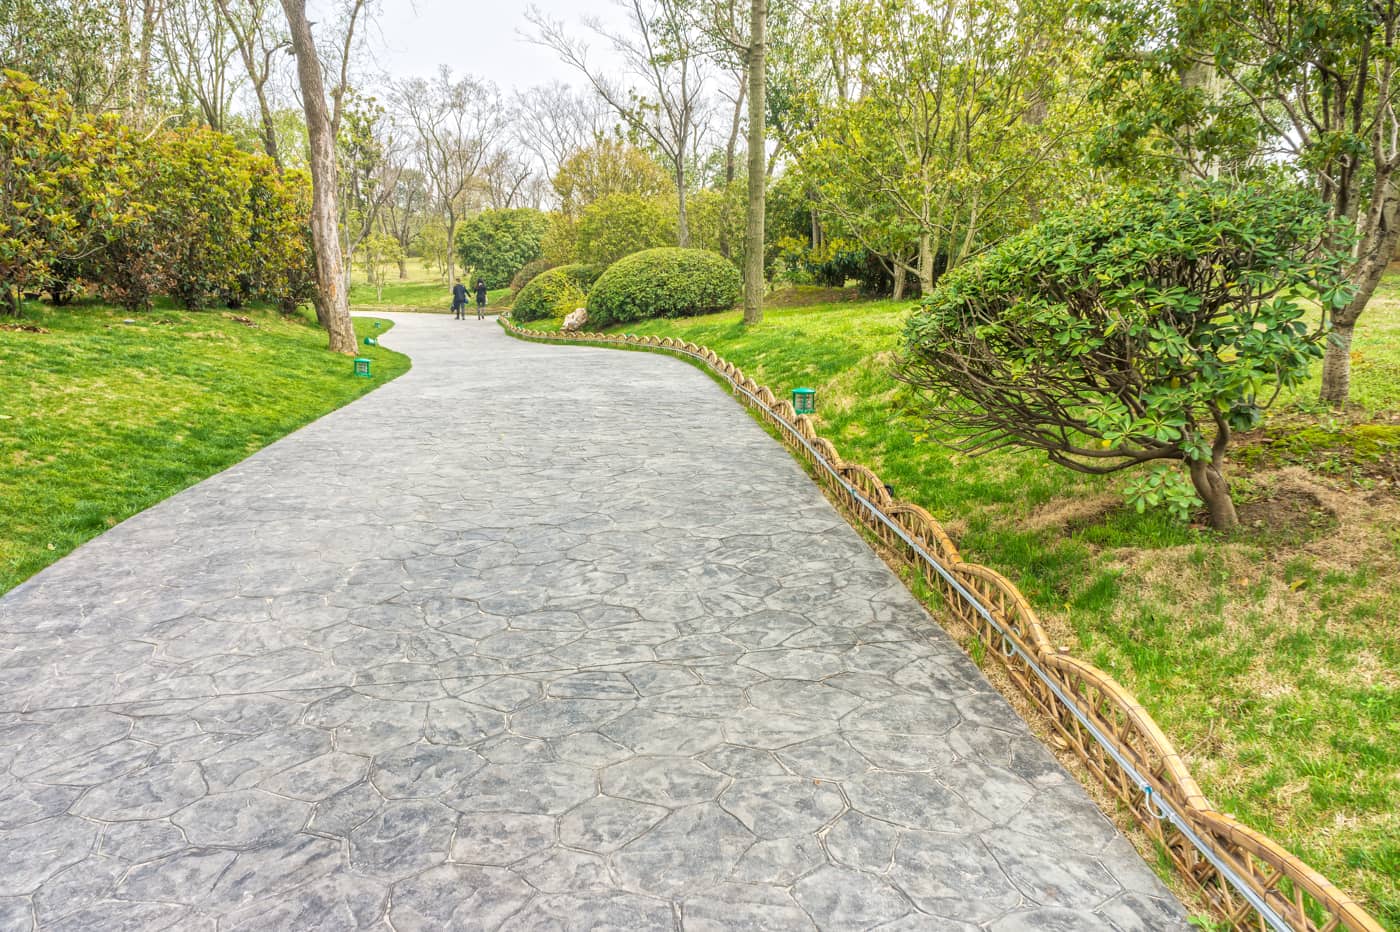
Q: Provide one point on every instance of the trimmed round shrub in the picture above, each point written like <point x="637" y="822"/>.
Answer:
<point x="667" y="282"/>
<point x="528" y="272"/>
<point x="553" y="293"/>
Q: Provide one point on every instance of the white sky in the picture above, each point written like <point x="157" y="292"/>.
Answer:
<point x="479" y="37"/>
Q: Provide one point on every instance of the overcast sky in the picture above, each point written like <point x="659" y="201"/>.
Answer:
<point x="479" y="37"/>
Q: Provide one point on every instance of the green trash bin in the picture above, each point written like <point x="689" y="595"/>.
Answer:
<point x="804" y="400"/>
<point x="362" y="368"/>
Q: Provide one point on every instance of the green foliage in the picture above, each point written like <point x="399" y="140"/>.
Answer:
<point x="553" y="293"/>
<point x="667" y="282"/>
<point x="64" y="187"/>
<point x="528" y="272"/>
<point x="609" y="166"/>
<point x="1148" y="326"/>
<point x="718" y="219"/>
<point x="618" y="225"/>
<point x="216" y="225"/>
<point x="497" y="244"/>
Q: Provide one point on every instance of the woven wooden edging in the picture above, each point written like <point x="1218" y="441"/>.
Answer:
<point x="1129" y="754"/>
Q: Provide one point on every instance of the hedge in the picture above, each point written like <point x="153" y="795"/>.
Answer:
<point x="667" y="282"/>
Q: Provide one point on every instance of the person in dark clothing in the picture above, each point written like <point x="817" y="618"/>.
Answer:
<point x="480" y="299"/>
<point x="459" y="301"/>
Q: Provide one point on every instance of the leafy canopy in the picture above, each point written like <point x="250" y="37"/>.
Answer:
<point x="496" y="244"/>
<point x="1147" y="326"/>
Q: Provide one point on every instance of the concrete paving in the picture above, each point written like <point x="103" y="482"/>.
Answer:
<point x="534" y="637"/>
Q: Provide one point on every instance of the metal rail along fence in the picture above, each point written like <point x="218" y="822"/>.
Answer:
<point x="1249" y="880"/>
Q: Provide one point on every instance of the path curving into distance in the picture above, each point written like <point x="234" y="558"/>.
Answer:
<point x="533" y="637"/>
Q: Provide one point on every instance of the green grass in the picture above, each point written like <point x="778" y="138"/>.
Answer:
<point x="1270" y="657"/>
<point x="422" y="290"/>
<point x="100" y="419"/>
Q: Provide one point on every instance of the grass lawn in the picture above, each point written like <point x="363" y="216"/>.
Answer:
<point x="1271" y="656"/>
<point x="100" y="419"/>
<point x="422" y="290"/>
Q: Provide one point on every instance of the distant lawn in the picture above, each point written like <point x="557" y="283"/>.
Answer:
<point x="100" y="419"/>
<point x="423" y="290"/>
<point x="1271" y="657"/>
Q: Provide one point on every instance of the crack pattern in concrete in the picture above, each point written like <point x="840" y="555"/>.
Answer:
<point x="531" y="638"/>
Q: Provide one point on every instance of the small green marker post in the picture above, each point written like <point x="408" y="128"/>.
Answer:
<point x="804" y="400"/>
<point x="376" y="325"/>
<point x="362" y="368"/>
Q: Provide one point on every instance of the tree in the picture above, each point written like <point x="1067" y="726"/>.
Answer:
<point x="748" y="40"/>
<point x="322" y="126"/>
<point x="403" y="212"/>
<point x="1147" y="327"/>
<point x="81" y="47"/>
<point x="199" y="51"/>
<point x="758" y="149"/>
<point x="456" y="121"/>
<point x="367" y="171"/>
<point x="662" y="52"/>
<point x="939" y="125"/>
<point x="257" y="43"/>
<point x="554" y="121"/>
<point x="618" y="225"/>
<point x="1316" y="83"/>
<point x="607" y="166"/>
<point x="499" y="243"/>
<point x="380" y="251"/>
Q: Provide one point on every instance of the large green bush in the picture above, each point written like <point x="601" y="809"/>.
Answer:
<point x="1147" y="327"/>
<point x="668" y="282"/>
<point x="553" y="293"/>
<point x="65" y="186"/>
<point x="618" y="225"/>
<point x="495" y="244"/>
<point x="528" y="272"/>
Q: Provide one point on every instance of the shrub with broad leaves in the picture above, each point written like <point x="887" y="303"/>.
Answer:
<point x="1146" y="328"/>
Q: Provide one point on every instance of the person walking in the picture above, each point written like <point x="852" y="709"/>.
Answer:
<point x="480" y="299"/>
<point x="459" y="301"/>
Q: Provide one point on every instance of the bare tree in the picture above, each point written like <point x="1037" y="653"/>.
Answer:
<point x="322" y="125"/>
<point x="506" y="180"/>
<point x="402" y="215"/>
<point x="199" y="51"/>
<point x="456" y="121"/>
<point x="249" y="23"/>
<point x="662" y="51"/>
<point x="742" y="33"/>
<point x="554" y="121"/>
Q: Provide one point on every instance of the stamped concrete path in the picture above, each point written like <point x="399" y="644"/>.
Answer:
<point x="534" y="637"/>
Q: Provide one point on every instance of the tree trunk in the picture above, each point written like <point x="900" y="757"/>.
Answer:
<point x="1336" y="364"/>
<point x="900" y="273"/>
<point x="732" y="147"/>
<point x="330" y="300"/>
<point x="451" y="247"/>
<point x="403" y="269"/>
<point x="1215" y="492"/>
<point x="682" y="223"/>
<point x="1377" y="248"/>
<point x="758" y="153"/>
<point x="926" y="262"/>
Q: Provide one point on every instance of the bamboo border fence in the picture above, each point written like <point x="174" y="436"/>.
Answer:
<point x="1249" y="880"/>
